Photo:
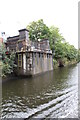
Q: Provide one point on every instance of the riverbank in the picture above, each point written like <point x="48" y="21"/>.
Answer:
<point x="65" y="63"/>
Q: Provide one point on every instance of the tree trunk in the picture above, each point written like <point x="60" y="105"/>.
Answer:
<point x="60" y="63"/>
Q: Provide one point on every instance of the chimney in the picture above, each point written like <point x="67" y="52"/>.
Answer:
<point x="24" y="34"/>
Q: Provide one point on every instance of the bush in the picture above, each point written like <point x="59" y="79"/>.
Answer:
<point x="7" y="62"/>
<point x="54" y="62"/>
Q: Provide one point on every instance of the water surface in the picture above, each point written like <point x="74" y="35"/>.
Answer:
<point x="53" y="94"/>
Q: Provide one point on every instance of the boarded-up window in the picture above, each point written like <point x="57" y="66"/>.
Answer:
<point x="19" y="60"/>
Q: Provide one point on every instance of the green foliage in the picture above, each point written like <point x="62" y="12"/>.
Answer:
<point x="65" y="50"/>
<point x="54" y="62"/>
<point x="59" y="50"/>
<point x="55" y="36"/>
<point x="71" y="51"/>
<point x="38" y="30"/>
<point x="7" y="62"/>
<point x="78" y="55"/>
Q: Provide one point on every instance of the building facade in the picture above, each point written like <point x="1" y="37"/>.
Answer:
<point x="31" y="57"/>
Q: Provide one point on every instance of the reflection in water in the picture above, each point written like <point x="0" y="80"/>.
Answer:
<point x="53" y="94"/>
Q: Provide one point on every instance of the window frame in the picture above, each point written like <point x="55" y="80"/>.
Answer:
<point x="19" y="60"/>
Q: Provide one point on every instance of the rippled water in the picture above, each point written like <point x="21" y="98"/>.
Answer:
<point x="53" y="94"/>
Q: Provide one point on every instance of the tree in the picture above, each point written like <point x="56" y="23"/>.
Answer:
<point x="65" y="51"/>
<point x="55" y="36"/>
<point x="7" y="62"/>
<point x="71" y="51"/>
<point x="38" y="30"/>
<point x="60" y="52"/>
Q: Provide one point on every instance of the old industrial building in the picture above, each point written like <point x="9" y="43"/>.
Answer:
<point x="31" y="57"/>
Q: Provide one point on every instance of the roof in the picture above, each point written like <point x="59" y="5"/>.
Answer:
<point x="23" y="30"/>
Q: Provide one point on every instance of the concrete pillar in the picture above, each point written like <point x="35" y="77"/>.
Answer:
<point x="24" y="62"/>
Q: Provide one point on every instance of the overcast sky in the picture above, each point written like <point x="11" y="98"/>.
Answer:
<point x="17" y="14"/>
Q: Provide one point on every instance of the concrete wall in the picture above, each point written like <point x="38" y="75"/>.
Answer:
<point x="35" y="63"/>
<point x="42" y="63"/>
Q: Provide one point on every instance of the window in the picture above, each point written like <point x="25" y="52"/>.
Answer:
<point x="19" y="60"/>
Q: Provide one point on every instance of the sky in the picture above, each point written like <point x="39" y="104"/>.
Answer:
<point x="17" y="14"/>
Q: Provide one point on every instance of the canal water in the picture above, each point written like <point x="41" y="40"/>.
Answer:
<point x="50" y="95"/>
